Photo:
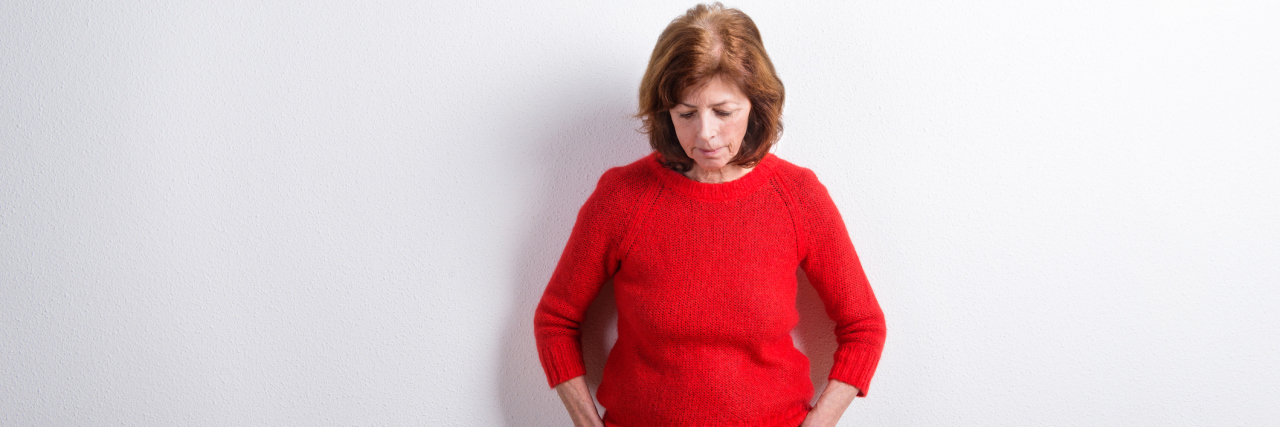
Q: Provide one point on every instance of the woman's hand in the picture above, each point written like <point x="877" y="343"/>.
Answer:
<point x="582" y="408"/>
<point x="831" y="405"/>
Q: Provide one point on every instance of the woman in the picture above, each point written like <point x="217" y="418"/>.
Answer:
<point x="702" y="239"/>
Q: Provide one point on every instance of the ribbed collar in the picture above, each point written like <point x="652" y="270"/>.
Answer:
<point x="700" y="190"/>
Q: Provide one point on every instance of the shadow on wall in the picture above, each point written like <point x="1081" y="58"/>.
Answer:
<point x="596" y="136"/>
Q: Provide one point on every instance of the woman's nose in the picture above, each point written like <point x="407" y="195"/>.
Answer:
<point x="707" y="128"/>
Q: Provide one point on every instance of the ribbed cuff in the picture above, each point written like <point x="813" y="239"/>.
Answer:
<point x="561" y="359"/>
<point x="854" y="365"/>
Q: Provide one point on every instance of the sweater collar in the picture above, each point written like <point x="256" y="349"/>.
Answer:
<point x="700" y="190"/>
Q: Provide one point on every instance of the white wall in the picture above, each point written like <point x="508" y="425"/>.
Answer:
<point x="295" y="213"/>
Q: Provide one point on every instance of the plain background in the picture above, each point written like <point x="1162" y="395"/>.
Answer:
<point x="344" y="213"/>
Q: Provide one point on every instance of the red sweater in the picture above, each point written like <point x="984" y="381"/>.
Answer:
<point x="705" y="283"/>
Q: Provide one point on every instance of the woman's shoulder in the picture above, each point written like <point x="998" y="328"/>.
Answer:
<point x="811" y="203"/>
<point x="795" y="177"/>
<point x="629" y="178"/>
<point x="621" y="187"/>
<point x="632" y="173"/>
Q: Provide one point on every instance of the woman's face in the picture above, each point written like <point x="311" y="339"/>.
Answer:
<point x="711" y="121"/>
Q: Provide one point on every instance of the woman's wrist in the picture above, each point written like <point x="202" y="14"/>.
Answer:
<point x="577" y="400"/>
<point x="831" y="404"/>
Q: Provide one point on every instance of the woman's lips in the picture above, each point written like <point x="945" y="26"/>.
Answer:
<point x="708" y="153"/>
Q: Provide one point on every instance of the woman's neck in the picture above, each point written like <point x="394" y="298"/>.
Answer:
<point x="716" y="176"/>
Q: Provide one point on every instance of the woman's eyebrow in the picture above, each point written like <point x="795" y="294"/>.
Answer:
<point x="713" y="105"/>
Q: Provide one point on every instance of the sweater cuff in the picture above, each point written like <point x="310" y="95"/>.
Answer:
<point x="561" y="359"/>
<point x="854" y="365"/>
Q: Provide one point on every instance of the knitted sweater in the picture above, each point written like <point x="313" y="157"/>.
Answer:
<point x="705" y="285"/>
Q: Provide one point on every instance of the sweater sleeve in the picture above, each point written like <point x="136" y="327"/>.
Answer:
<point x="590" y="259"/>
<point x="832" y="266"/>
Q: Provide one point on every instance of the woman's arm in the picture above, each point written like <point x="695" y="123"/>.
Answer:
<point x="582" y="409"/>
<point x="590" y="258"/>
<point x="831" y="405"/>
<point x="832" y="266"/>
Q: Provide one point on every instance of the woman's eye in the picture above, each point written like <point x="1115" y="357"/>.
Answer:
<point x="724" y="113"/>
<point x="686" y="115"/>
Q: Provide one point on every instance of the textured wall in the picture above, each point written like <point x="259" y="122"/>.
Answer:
<point x="343" y="213"/>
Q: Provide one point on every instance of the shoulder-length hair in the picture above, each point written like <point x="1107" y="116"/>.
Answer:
<point x="709" y="41"/>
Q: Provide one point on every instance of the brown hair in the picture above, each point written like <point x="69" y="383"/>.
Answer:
<point x="709" y="41"/>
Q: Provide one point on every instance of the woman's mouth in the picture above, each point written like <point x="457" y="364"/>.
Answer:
<point x="709" y="153"/>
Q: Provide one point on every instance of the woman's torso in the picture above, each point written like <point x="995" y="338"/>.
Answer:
<point x="706" y="303"/>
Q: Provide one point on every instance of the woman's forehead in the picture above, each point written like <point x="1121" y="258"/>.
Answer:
<point x="712" y="92"/>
